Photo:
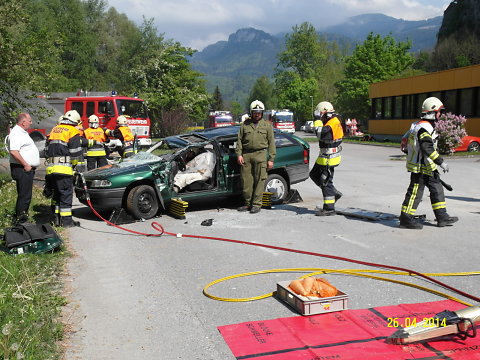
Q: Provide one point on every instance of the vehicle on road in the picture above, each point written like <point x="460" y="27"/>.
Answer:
<point x="143" y="184"/>
<point x="281" y="120"/>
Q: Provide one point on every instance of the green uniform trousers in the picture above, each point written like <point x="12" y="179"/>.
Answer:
<point x="254" y="174"/>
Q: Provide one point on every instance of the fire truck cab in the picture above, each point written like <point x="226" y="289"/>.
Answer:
<point x="281" y="120"/>
<point x="219" y="119"/>
<point x="108" y="108"/>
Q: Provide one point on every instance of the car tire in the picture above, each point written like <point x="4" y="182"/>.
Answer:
<point x="142" y="202"/>
<point x="473" y="146"/>
<point x="278" y="185"/>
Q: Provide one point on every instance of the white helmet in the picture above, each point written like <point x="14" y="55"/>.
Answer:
<point x="60" y="119"/>
<point x="93" y="121"/>
<point x="121" y="120"/>
<point x="324" y="108"/>
<point x="71" y="117"/>
<point x="256" y="106"/>
<point x="432" y="104"/>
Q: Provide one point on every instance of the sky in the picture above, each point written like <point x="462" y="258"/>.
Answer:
<point x="198" y="23"/>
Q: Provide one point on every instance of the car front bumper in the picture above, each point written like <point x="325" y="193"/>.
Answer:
<point x="101" y="199"/>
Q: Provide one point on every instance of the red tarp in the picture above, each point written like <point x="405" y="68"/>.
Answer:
<point x="349" y="334"/>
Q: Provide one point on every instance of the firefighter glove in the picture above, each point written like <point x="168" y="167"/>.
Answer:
<point x="444" y="167"/>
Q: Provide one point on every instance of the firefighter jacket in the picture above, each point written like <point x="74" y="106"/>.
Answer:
<point x="252" y="138"/>
<point x="422" y="155"/>
<point x="64" y="149"/>
<point x="99" y="138"/>
<point x="330" y="137"/>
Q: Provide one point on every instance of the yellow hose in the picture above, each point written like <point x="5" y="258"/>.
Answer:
<point x="354" y="272"/>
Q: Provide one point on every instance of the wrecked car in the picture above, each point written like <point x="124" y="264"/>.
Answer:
<point x="144" y="184"/>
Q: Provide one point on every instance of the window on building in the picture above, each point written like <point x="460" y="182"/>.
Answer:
<point x="387" y="108"/>
<point x="449" y="100"/>
<point x="466" y="102"/>
<point x="397" y="107"/>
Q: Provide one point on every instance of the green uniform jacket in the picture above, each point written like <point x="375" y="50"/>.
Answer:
<point x="252" y="138"/>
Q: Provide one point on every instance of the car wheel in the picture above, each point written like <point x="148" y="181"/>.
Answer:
<point x="142" y="202"/>
<point x="277" y="185"/>
<point x="474" y="146"/>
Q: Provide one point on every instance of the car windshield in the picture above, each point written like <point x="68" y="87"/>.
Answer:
<point x="133" y="108"/>
<point x="223" y="119"/>
<point x="141" y="158"/>
<point x="284" y="118"/>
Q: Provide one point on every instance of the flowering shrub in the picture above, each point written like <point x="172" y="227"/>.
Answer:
<point x="450" y="129"/>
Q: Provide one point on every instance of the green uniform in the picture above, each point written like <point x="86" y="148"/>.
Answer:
<point x="256" y="143"/>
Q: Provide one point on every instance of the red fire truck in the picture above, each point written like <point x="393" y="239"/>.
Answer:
<point x="281" y="120"/>
<point x="219" y="119"/>
<point x="107" y="108"/>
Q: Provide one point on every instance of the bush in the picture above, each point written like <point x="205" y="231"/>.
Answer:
<point x="450" y="129"/>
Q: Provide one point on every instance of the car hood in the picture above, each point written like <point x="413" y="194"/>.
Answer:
<point x="139" y="163"/>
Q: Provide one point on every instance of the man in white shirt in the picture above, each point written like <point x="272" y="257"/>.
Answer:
<point x="24" y="158"/>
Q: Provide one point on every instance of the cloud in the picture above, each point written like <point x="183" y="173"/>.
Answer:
<point x="197" y="23"/>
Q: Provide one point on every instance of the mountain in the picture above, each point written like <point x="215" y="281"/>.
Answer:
<point x="234" y="65"/>
<point x="422" y="33"/>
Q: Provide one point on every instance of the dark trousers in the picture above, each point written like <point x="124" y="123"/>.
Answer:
<point x="322" y="176"/>
<point x="414" y="195"/>
<point x="94" y="162"/>
<point x="24" y="181"/>
<point x="62" y="194"/>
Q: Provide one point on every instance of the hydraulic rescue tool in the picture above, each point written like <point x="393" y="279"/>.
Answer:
<point x="461" y="323"/>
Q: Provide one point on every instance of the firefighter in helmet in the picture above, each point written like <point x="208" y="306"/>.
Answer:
<point x="422" y="163"/>
<point x="96" y="154"/>
<point x="255" y="154"/>
<point x="125" y="135"/>
<point x="64" y="149"/>
<point x="329" y="131"/>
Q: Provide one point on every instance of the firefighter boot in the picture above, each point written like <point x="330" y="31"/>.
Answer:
<point x="20" y="219"/>
<point x="68" y="222"/>
<point x="338" y="195"/>
<point x="409" y="222"/>
<point x="443" y="219"/>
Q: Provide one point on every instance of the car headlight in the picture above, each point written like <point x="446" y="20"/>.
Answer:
<point x="100" y="183"/>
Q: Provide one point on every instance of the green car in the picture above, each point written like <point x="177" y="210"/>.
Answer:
<point x="143" y="184"/>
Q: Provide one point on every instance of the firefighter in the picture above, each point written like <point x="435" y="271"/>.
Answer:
<point x="255" y="154"/>
<point x="96" y="154"/>
<point x="125" y="135"/>
<point x="329" y="131"/>
<point x="422" y="161"/>
<point x="64" y="149"/>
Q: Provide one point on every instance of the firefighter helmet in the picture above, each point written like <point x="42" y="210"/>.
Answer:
<point x="256" y="106"/>
<point x="93" y="121"/>
<point x="431" y="107"/>
<point x="71" y="117"/>
<point x="121" y="120"/>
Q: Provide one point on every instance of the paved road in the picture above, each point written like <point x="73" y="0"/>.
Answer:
<point x="135" y="297"/>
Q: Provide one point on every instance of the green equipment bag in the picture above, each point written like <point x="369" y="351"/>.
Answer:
<point x="30" y="239"/>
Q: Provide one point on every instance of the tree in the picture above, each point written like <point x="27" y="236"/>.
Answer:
<point x="236" y="110"/>
<point x="377" y="59"/>
<point x="165" y="77"/>
<point x="217" y="103"/>
<point x="263" y="90"/>
<point x="306" y="70"/>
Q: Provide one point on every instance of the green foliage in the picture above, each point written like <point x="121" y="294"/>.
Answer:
<point x="30" y="292"/>
<point x="217" y="103"/>
<point x="377" y="59"/>
<point x="236" y="110"/>
<point x="307" y="70"/>
<point x="263" y="90"/>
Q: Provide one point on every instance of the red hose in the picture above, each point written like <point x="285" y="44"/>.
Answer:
<point x="161" y="230"/>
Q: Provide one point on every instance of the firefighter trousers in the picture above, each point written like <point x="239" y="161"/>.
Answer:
<point x="94" y="162"/>
<point x="414" y="195"/>
<point x="254" y="174"/>
<point x="322" y="176"/>
<point x="62" y="196"/>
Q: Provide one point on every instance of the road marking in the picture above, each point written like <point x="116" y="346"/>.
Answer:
<point x="349" y="241"/>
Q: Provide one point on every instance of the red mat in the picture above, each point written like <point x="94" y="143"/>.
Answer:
<point x="349" y="334"/>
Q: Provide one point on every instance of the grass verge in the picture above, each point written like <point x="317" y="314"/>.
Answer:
<point x="30" y="290"/>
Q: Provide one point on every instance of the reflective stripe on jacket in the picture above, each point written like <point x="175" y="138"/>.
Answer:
<point x="330" y="137"/>
<point x="422" y="156"/>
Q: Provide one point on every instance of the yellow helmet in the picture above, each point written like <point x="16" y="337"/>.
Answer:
<point x="71" y="117"/>
<point x="121" y="120"/>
